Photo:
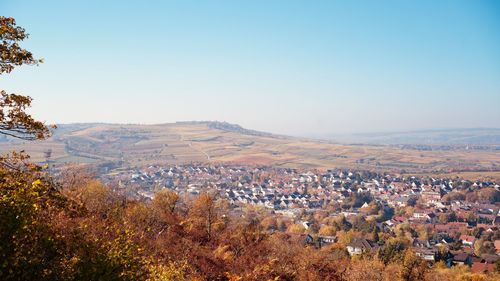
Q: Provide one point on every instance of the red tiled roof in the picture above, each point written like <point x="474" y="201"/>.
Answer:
<point x="478" y="267"/>
<point x="468" y="238"/>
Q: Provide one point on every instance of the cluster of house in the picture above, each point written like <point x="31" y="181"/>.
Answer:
<point x="448" y="242"/>
<point x="432" y="250"/>
<point x="288" y="191"/>
<point x="278" y="188"/>
<point x="437" y="248"/>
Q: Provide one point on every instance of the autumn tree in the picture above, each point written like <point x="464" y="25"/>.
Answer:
<point x="489" y="195"/>
<point x="269" y="223"/>
<point x="413" y="268"/>
<point x="29" y="250"/>
<point x="44" y="234"/>
<point x="157" y="217"/>
<point x="14" y="120"/>
<point x="393" y="250"/>
<point x="327" y="230"/>
<point x="365" y="269"/>
<point x="205" y="218"/>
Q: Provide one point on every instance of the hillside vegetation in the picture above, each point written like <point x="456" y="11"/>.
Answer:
<point x="185" y="142"/>
<point x="76" y="228"/>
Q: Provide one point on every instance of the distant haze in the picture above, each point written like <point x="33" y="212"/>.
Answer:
<point x="306" y="68"/>
<point x="473" y="137"/>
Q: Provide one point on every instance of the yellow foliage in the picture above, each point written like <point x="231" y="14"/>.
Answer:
<point x="327" y="230"/>
<point x="296" y="228"/>
<point x="171" y="271"/>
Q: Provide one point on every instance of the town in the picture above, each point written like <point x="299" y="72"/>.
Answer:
<point x="250" y="140"/>
<point x="454" y="221"/>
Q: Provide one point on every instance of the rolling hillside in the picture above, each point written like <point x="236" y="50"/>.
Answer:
<point x="184" y="142"/>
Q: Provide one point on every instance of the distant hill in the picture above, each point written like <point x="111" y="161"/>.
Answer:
<point x="126" y="145"/>
<point x="228" y="127"/>
<point x="474" y="136"/>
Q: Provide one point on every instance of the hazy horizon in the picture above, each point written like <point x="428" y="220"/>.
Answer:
<point x="366" y="137"/>
<point x="229" y="122"/>
<point x="286" y="67"/>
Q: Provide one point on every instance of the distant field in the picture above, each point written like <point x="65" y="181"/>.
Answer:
<point x="137" y="145"/>
<point x="475" y="175"/>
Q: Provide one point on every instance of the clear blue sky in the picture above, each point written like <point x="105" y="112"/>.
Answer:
<point x="293" y="67"/>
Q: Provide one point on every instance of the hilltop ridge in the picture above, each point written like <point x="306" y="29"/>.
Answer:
<point x="212" y="141"/>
